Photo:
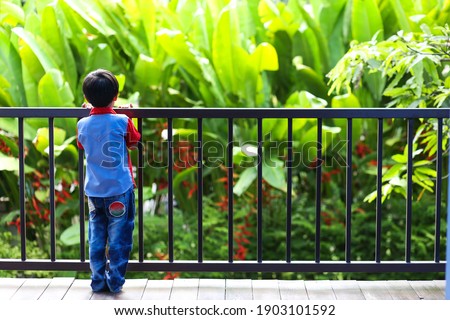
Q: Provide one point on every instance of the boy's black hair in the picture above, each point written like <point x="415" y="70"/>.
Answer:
<point x="100" y="87"/>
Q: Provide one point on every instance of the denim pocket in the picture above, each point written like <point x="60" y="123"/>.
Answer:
<point x="92" y="211"/>
<point x="117" y="209"/>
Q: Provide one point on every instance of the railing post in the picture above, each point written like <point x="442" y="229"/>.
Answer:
<point x="170" y="186"/>
<point x="23" y="217"/>
<point x="140" y="174"/>
<point x="230" y="190"/>
<point x="447" y="265"/>
<point x="51" y="159"/>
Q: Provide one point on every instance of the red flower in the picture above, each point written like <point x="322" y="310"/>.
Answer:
<point x="362" y="149"/>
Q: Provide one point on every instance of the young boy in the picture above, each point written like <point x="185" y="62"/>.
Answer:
<point x="109" y="183"/>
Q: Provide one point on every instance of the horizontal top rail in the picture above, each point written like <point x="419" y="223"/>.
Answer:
<point x="232" y="113"/>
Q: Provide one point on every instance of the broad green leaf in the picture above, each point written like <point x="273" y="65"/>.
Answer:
<point x="53" y="91"/>
<point x="274" y="173"/>
<point x="89" y="12"/>
<point x="345" y="101"/>
<point x="426" y="171"/>
<point x="397" y="181"/>
<point x="394" y="171"/>
<point x="41" y="141"/>
<point x="370" y="197"/>
<point x="148" y="71"/>
<point x="6" y="100"/>
<point x="224" y="50"/>
<point x="312" y="80"/>
<point x="240" y="158"/>
<point x="100" y="57"/>
<point x="11" y="13"/>
<point x="400" y="158"/>
<point x="317" y="37"/>
<point x="71" y="236"/>
<point x="245" y="180"/>
<point x="11" y="67"/>
<point x="12" y="164"/>
<point x="366" y="20"/>
<point x="421" y="183"/>
<point x="52" y="32"/>
<point x="42" y="194"/>
<point x="265" y="57"/>
<point x="175" y="44"/>
<point x="400" y="13"/>
<point x="147" y="11"/>
<point x="277" y="17"/>
<point x="65" y="146"/>
<point x="39" y="47"/>
<point x="421" y="163"/>
<point x="12" y="126"/>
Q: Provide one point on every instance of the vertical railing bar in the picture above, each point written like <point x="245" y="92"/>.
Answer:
<point x="200" y="189"/>
<point x="318" y="189"/>
<point x="140" y="173"/>
<point x="409" y="195"/>
<point x="379" y="189"/>
<point x="81" y="205"/>
<point x="289" y="194"/>
<point x="437" y="236"/>
<point x="230" y="191"/>
<point x="259" y="191"/>
<point x="51" y="156"/>
<point x="349" y="172"/>
<point x="170" y="187"/>
<point x="23" y="225"/>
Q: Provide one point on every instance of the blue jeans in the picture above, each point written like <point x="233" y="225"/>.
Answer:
<point x="111" y="223"/>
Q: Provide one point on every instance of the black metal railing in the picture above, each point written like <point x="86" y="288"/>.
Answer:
<point x="260" y="265"/>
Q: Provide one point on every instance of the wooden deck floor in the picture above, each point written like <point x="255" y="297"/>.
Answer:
<point x="223" y="289"/>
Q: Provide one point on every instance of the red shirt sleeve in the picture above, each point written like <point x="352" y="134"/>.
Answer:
<point x="80" y="146"/>
<point x="133" y="136"/>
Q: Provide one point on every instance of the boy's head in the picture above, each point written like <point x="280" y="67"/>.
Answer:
<point x="100" y="88"/>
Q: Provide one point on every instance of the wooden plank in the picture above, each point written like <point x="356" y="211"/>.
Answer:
<point x="79" y="290"/>
<point x="319" y="290"/>
<point x="239" y="289"/>
<point x="441" y="285"/>
<point x="9" y="286"/>
<point x="132" y="290"/>
<point x="57" y="289"/>
<point x="266" y="290"/>
<point x="374" y="290"/>
<point x="211" y="289"/>
<point x="158" y="290"/>
<point x="427" y="290"/>
<point x="104" y="295"/>
<point x="401" y="290"/>
<point x="184" y="289"/>
<point x="347" y="290"/>
<point x="292" y="290"/>
<point x="31" y="289"/>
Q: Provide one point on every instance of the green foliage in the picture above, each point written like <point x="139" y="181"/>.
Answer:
<point x="413" y="66"/>
<point x="9" y="248"/>
<point x="249" y="53"/>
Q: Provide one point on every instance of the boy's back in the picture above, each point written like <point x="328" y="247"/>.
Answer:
<point x="102" y="136"/>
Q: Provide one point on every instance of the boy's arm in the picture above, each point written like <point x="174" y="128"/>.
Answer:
<point x="133" y="136"/>
<point x="80" y="146"/>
